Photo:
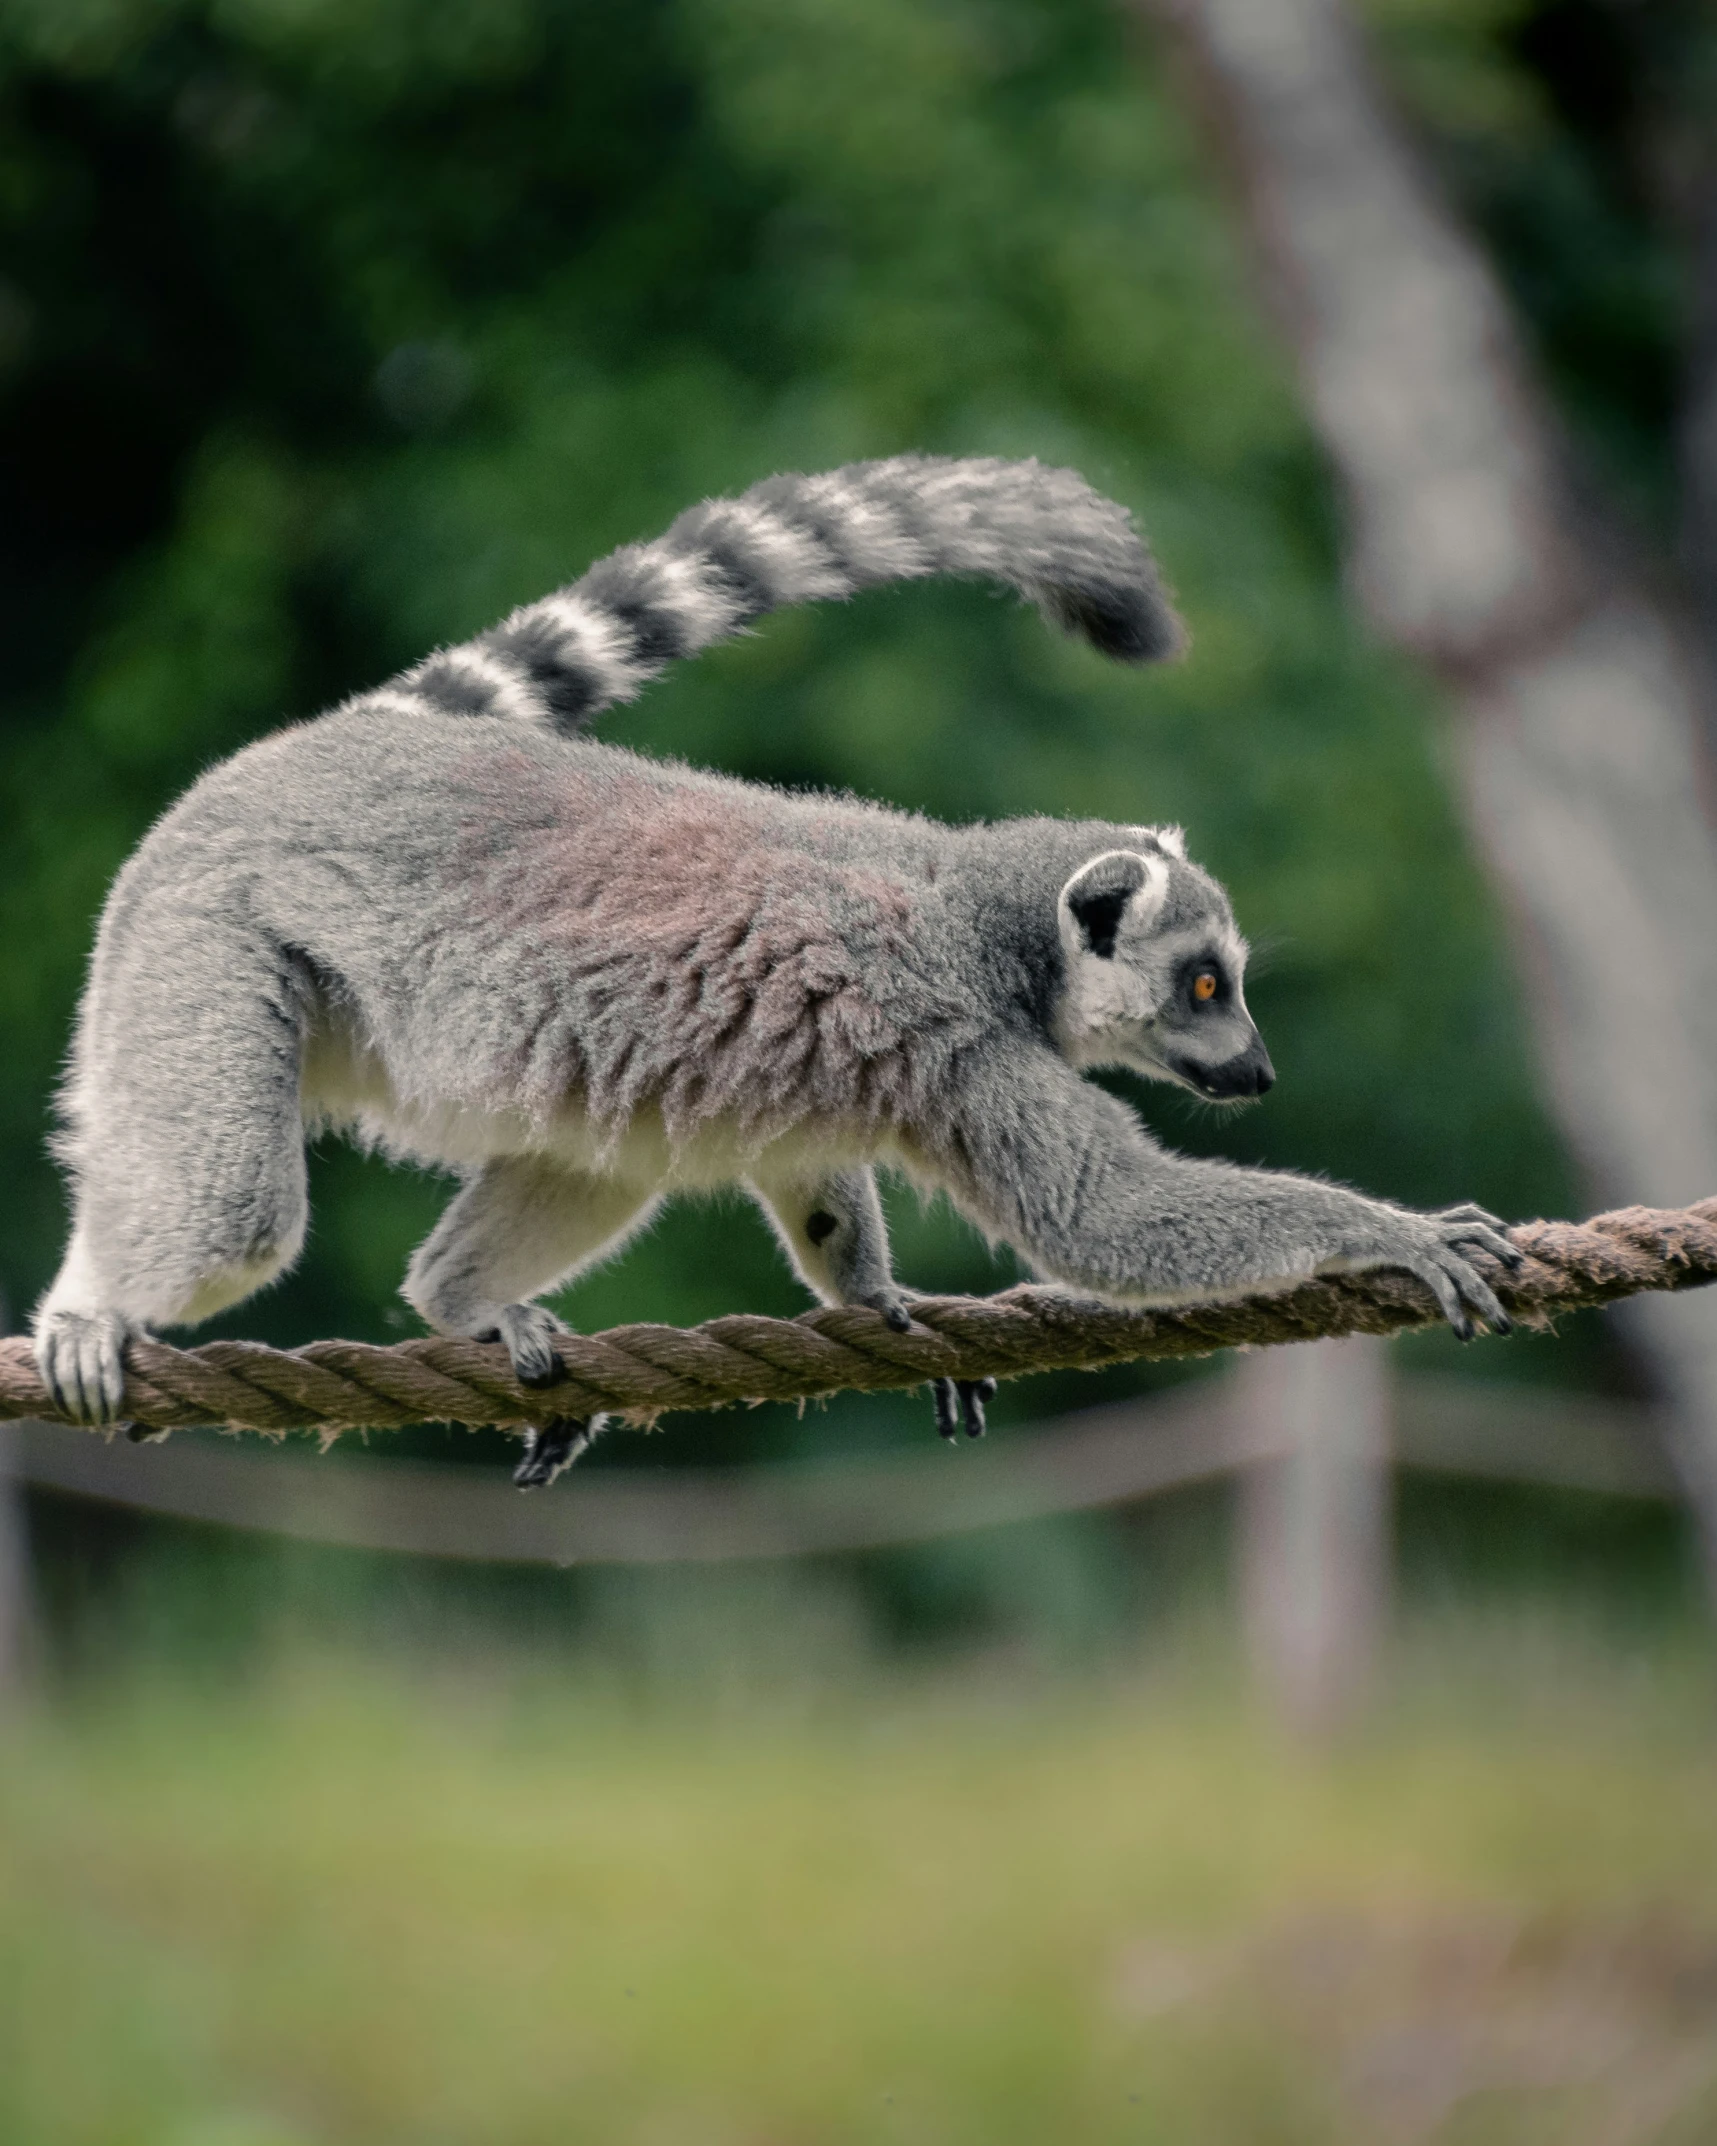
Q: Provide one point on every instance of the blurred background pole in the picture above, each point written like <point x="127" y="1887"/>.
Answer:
<point x="1697" y="428"/>
<point x="14" y="1560"/>
<point x="1314" y="1532"/>
<point x="14" y="1575"/>
<point x="1582" y="750"/>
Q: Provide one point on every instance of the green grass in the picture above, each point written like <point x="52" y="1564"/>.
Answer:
<point x="364" y="1904"/>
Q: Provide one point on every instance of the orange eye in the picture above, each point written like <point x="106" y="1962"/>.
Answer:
<point x="1204" y="986"/>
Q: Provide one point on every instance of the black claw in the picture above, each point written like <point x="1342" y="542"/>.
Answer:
<point x="898" y="1318"/>
<point x="549" y="1374"/>
<point x="145" y="1434"/>
<point x="553" y="1447"/>
<point x="1501" y="1323"/>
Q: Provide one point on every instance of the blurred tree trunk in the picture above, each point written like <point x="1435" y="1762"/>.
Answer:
<point x="15" y="1592"/>
<point x="1581" y="741"/>
<point x="1314" y="1524"/>
<point x="1698" y="442"/>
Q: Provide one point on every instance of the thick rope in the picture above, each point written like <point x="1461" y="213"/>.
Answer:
<point x="639" y="1372"/>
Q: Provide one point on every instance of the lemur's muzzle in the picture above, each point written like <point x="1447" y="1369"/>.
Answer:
<point x="1250" y="1073"/>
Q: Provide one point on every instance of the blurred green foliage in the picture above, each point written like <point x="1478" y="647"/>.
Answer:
<point x="335" y="330"/>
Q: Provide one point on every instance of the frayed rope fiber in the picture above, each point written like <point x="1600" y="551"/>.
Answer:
<point x="641" y="1372"/>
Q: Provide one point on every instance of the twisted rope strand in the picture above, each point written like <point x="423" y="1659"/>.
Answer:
<point x="638" y="1372"/>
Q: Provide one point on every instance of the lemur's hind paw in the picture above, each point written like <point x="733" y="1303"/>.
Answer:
<point x="892" y="1305"/>
<point x="529" y="1334"/>
<point x="81" y="1357"/>
<point x="553" y="1447"/>
<point x="961" y="1401"/>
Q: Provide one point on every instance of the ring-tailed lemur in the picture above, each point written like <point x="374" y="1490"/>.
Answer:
<point x="441" y="917"/>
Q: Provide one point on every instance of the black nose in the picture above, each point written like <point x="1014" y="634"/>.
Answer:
<point x="1251" y="1073"/>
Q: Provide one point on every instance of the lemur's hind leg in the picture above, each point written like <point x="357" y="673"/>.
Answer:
<point x="520" y="1226"/>
<point x="834" y="1233"/>
<point x="184" y="1140"/>
<point x="830" y="1226"/>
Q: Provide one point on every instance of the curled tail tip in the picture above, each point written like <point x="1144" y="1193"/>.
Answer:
<point x="1130" y="622"/>
<point x="1108" y="589"/>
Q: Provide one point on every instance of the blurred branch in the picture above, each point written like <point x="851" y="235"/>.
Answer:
<point x="1095" y="1458"/>
<point x="1581" y="744"/>
<point x="1102" y="1456"/>
<point x="642" y="1371"/>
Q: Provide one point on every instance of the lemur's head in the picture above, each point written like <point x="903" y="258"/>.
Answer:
<point x="1156" y="972"/>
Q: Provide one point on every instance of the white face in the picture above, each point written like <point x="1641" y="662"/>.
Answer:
<point x="1156" y="975"/>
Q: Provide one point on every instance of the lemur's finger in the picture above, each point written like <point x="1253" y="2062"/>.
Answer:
<point x="1478" y="1294"/>
<point x="100" y="1375"/>
<point x="145" y="1434"/>
<point x="1470" y="1211"/>
<point x="110" y="1353"/>
<point x="1448" y="1297"/>
<point x="1487" y="1239"/>
<point x="945" y="1396"/>
<point x="49" y="1355"/>
<point x="973" y="1394"/>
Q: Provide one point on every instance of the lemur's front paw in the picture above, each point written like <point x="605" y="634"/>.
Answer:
<point x="81" y="1357"/>
<point x="1433" y="1247"/>
<point x="553" y="1448"/>
<point x="530" y="1334"/>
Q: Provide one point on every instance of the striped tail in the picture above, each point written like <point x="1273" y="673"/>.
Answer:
<point x="793" y="540"/>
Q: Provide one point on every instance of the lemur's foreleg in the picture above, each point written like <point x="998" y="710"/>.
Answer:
<point x="1069" y="1176"/>
<point x="520" y="1226"/>
<point x="833" y="1231"/>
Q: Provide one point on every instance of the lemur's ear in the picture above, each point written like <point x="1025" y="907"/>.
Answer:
<point x="1100" y="893"/>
